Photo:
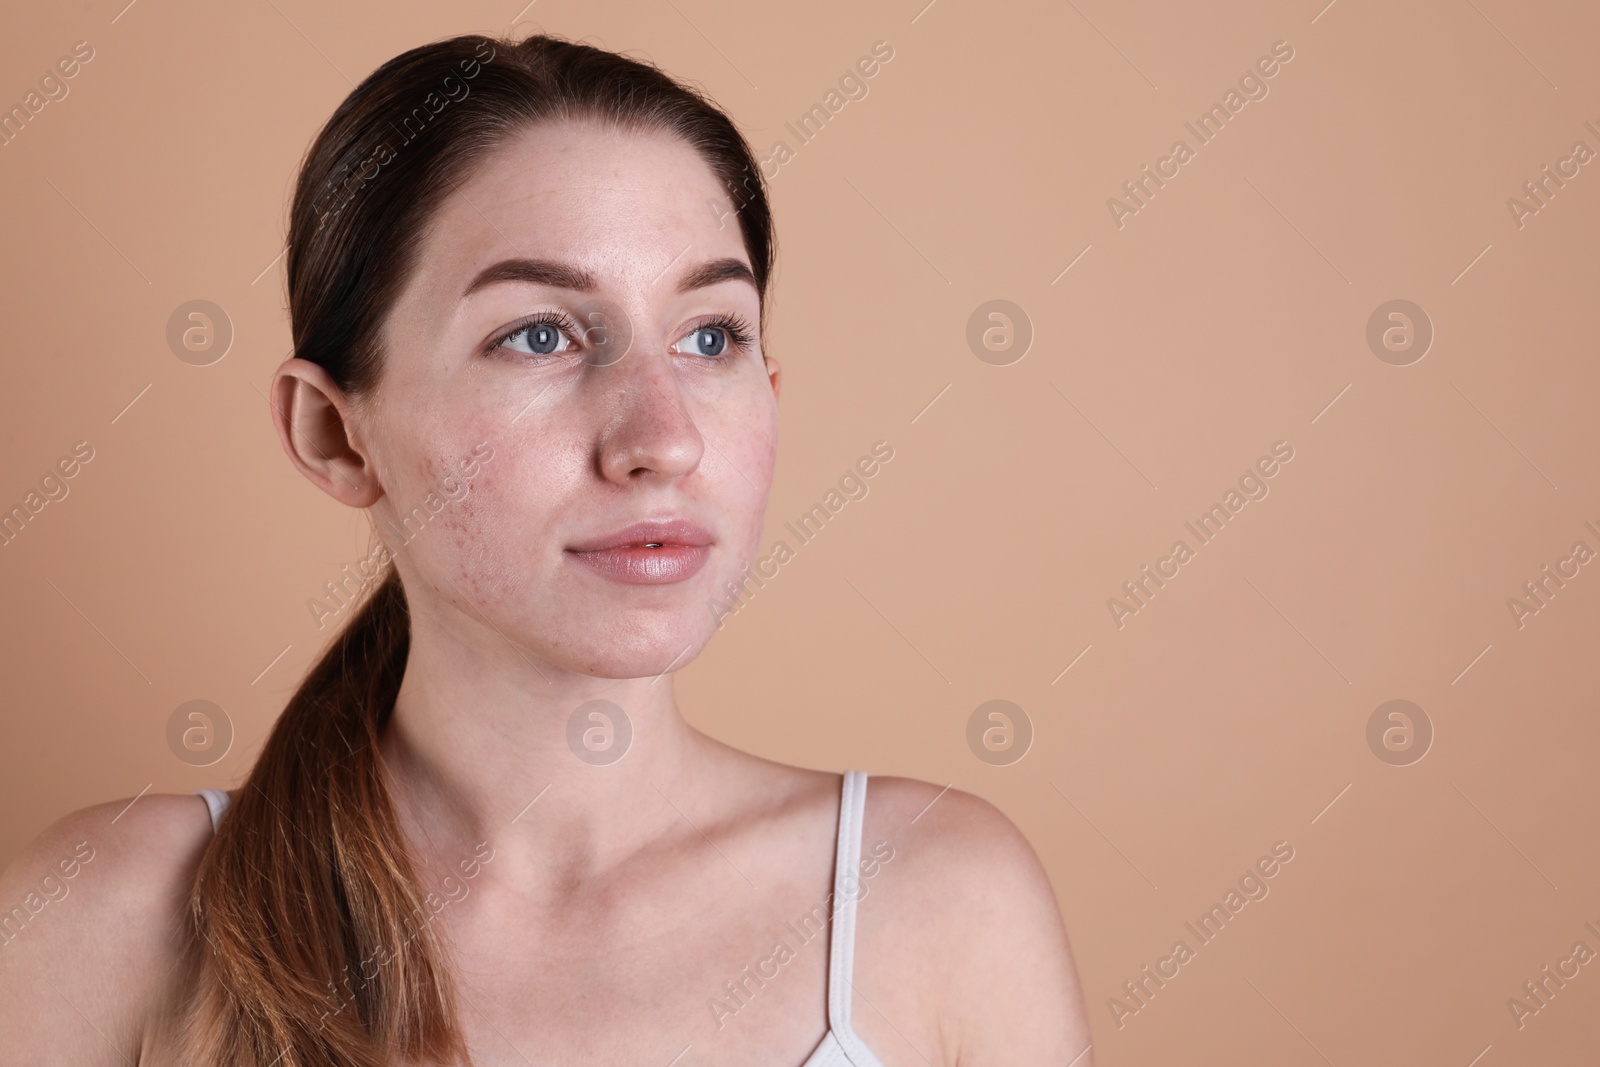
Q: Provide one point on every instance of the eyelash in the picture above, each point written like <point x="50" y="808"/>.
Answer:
<point x="739" y="333"/>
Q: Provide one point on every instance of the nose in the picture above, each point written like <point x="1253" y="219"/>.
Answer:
<point x="651" y="430"/>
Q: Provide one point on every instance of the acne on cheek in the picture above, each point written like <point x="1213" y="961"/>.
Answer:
<point x="460" y="473"/>
<point x="480" y="559"/>
<point x="479" y="528"/>
<point x="477" y="499"/>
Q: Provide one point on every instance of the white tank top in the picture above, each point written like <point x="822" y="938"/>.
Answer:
<point x="840" y="1047"/>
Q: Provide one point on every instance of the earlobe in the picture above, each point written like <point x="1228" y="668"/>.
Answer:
<point x="311" y="415"/>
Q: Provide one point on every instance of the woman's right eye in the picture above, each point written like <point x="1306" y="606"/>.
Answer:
<point x="540" y="339"/>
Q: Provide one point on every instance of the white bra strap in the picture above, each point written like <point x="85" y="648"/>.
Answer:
<point x="846" y="888"/>
<point x="216" y="802"/>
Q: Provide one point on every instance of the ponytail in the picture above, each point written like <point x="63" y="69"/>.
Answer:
<point x="302" y="905"/>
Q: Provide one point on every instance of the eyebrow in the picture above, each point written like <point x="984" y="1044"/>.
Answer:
<point x="533" y="272"/>
<point x="718" y="270"/>
<point x="564" y="276"/>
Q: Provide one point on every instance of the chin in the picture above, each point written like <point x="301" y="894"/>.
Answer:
<point x="642" y="647"/>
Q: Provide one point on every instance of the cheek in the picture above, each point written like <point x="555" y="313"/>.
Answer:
<point x="483" y="539"/>
<point x="748" y="433"/>
<point x="750" y="442"/>
<point x="504" y="536"/>
<point x="470" y="522"/>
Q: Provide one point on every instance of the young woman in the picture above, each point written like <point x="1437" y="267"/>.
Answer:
<point x="527" y="285"/>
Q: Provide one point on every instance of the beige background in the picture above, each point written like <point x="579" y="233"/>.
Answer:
<point x="1228" y="314"/>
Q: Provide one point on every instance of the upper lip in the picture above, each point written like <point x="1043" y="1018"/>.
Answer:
<point x="649" y="532"/>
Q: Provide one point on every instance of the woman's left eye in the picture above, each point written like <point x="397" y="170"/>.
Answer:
<point x="709" y="341"/>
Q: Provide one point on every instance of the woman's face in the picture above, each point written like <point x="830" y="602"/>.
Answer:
<point x="643" y="405"/>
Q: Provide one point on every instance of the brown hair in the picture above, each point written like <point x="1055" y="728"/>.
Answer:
<point x="306" y="949"/>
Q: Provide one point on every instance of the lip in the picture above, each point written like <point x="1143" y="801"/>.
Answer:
<point x="623" y="555"/>
<point x="664" y="532"/>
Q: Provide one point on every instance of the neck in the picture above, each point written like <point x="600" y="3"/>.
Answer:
<point x="488" y="745"/>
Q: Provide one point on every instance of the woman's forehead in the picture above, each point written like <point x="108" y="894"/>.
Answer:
<point x="621" y="205"/>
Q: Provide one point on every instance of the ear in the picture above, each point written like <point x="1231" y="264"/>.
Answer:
<point x="312" y="415"/>
<point x="774" y="374"/>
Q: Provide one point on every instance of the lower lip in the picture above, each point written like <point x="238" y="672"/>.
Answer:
<point x="637" y="565"/>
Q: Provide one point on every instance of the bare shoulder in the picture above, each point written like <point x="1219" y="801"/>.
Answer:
<point x="92" y="922"/>
<point x="955" y="908"/>
<point x="956" y="849"/>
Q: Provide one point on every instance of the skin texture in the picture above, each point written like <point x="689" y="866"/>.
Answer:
<point x="619" y="899"/>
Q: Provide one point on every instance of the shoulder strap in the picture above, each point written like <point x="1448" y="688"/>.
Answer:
<point x="216" y="802"/>
<point x="846" y="888"/>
